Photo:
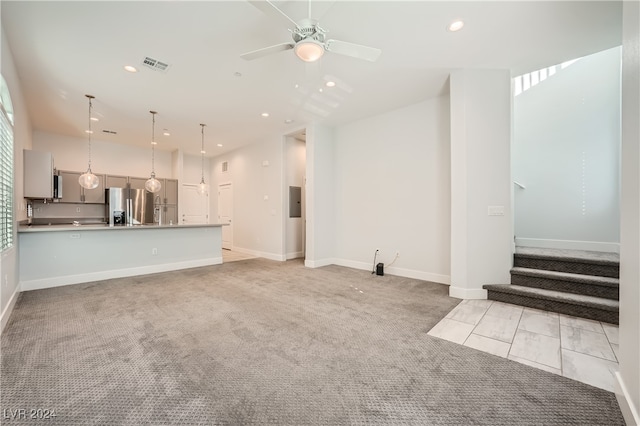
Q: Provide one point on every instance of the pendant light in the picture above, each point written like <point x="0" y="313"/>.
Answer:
<point x="202" y="187"/>
<point x="152" y="184"/>
<point x="88" y="180"/>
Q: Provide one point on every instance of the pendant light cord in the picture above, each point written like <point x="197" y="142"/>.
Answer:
<point x="153" y="144"/>
<point x="90" y="131"/>
<point x="202" y="154"/>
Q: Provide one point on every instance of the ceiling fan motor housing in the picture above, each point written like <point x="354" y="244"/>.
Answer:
<point x="309" y="29"/>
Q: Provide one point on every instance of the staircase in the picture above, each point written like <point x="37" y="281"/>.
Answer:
<point x="578" y="283"/>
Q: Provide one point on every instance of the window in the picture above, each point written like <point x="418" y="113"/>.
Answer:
<point x="6" y="167"/>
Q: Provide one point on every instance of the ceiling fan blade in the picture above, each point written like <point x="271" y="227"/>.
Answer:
<point x="272" y="10"/>
<point x="351" y="49"/>
<point x="250" y="56"/>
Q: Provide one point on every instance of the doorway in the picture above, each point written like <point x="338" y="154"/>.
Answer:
<point x="225" y="213"/>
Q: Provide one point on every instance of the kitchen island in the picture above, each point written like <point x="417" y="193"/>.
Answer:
<point x="56" y="255"/>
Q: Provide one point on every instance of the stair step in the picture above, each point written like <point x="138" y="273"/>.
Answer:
<point x="572" y="261"/>
<point x="589" y="285"/>
<point x="595" y="308"/>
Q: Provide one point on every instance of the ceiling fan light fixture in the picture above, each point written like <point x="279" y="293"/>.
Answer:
<point x="309" y="50"/>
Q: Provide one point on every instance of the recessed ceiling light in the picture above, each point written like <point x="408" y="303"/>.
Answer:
<point x="288" y="121"/>
<point x="154" y="143"/>
<point x="166" y="132"/>
<point x="320" y="90"/>
<point x="89" y="131"/>
<point x="330" y="84"/>
<point x="130" y="68"/>
<point x="203" y="152"/>
<point x="95" y="119"/>
<point x="455" y="26"/>
<point x="296" y="86"/>
<point x="219" y="144"/>
<point x="265" y="114"/>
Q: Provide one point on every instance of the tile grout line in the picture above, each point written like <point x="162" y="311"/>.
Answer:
<point x="476" y="325"/>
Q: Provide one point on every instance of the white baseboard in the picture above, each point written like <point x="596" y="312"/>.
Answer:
<point x="569" y="244"/>
<point x="4" y="318"/>
<point x="467" y="293"/>
<point x="318" y="263"/>
<point x="256" y="253"/>
<point x="629" y="411"/>
<point x="400" y="272"/>
<point x="115" y="273"/>
<point x="295" y="255"/>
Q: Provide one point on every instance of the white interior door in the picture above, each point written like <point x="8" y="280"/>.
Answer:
<point x="225" y="214"/>
<point x="195" y="208"/>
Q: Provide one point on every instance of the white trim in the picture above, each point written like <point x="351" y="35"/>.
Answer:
<point x="467" y="293"/>
<point x="295" y="255"/>
<point x="318" y="263"/>
<point x="401" y="272"/>
<point x="569" y="244"/>
<point x="256" y="253"/>
<point x="116" y="273"/>
<point x="629" y="411"/>
<point x="4" y="318"/>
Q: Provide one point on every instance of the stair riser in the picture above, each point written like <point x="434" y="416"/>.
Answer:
<point x="555" y="306"/>
<point x="611" y="271"/>
<point x="606" y="292"/>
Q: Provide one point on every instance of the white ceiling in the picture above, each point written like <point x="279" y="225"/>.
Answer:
<point x="64" y="50"/>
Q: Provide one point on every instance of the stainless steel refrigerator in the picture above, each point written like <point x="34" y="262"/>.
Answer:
<point x="128" y="207"/>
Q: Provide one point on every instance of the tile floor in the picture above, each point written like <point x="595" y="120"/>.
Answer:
<point x="577" y="348"/>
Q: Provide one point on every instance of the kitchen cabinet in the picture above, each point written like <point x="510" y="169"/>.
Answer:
<point x="72" y="192"/>
<point x="96" y="195"/>
<point x="113" y="181"/>
<point x="170" y="215"/>
<point x="137" y="183"/>
<point x="170" y="187"/>
<point x="38" y="174"/>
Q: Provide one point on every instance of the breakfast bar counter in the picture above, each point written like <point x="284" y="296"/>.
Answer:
<point x="55" y="255"/>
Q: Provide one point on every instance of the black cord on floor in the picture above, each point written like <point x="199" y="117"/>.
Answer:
<point x="373" y="270"/>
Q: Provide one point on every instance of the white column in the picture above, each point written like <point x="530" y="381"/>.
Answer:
<point x="320" y="213"/>
<point x="628" y="392"/>
<point x="481" y="218"/>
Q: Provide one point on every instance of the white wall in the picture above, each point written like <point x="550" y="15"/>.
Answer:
<point x="566" y="151"/>
<point x="106" y="157"/>
<point x="481" y="244"/>
<point x="294" y="170"/>
<point x="257" y="222"/>
<point x="192" y="169"/>
<point x="629" y="375"/>
<point x="392" y="191"/>
<point x="22" y="138"/>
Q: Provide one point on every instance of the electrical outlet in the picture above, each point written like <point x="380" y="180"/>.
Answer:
<point x="154" y="251"/>
<point x="77" y="209"/>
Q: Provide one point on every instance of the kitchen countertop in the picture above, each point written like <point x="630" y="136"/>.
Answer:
<point x="102" y="227"/>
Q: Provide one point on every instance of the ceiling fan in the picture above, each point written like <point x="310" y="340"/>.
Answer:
<point x="309" y="39"/>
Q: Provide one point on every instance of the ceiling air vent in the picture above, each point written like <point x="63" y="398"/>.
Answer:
<point x="155" y="64"/>
<point x="225" y="166"/>
<point x="111" y="132"/>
